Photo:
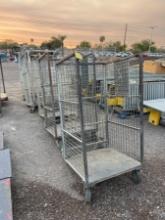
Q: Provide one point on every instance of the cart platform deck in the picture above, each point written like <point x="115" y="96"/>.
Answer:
<point x="104" y="164"/>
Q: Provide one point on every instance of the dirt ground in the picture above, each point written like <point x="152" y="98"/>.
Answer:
<point x="44" y="188"/>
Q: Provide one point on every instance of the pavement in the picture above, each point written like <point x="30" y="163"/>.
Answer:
<point x="45" y="188"/>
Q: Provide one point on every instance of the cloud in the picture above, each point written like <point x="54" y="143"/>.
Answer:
<point x="82" y="19"/>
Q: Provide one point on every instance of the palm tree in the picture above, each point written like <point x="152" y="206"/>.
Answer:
<point x="102" y="39"/>
<point x="62" y="38"/>
<point x="31" y="40"/>
<point x="84" y="44"/>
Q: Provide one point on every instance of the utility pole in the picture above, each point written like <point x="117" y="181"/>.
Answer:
<point x="125" y="35"/>
<point x="151" y="36"/>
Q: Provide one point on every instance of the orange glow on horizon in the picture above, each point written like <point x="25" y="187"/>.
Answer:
<point x="81" y="20"/>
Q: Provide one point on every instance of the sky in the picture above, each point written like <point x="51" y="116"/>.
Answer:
<point x="22" y="20"/>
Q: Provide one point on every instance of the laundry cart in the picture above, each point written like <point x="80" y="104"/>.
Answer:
<point x="97" y="144"/>
<point x="3" y="94"/>
<point x="48" y="99"/>
<point x="25" y="78"/>
<point x="29" y="76"/>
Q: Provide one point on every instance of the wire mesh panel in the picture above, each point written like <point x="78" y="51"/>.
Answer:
<point x="0" y="86"/>
<point x="125" y="126"/>
<point x="3" y="94"/>
<point x="121" y="70"/>
<point x="25" y="78"/>
<point x="44" y="81"/>
<point x="35" y="80"/>
<point x="29" y="77"/>
<point x="154" y="84"/>
<point x="49" y="105"/>
<point x="0" y="98"/>
<point x="97" y="144"/>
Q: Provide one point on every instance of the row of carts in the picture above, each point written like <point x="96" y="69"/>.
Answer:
<point x="93" y="108"/>
<point x="3" y="94"/>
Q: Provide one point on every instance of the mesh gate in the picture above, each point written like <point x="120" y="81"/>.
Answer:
<point x="29" y="77"/>
<point x="49" y="105"/>
<point x="97" y="142"/>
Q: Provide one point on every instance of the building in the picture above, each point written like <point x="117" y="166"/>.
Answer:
<point x="154" y="66"/>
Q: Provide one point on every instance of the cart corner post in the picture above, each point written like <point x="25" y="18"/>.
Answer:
<point x="84" y="150"/>
<point x="141" y="62"/>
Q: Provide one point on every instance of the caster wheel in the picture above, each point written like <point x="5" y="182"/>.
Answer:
<point x="88" y="195"/>
<point x="135" y="177"/>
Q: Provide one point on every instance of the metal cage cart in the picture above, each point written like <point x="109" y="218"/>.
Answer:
<point x="28" y="67"/>
<point x="98" y="144"/>
<point x="3" y="94"/>
<point x="43" y="72"/>
<point x="24" y="61"/>
<point x="0" y="100"/>
<point x="49" y="104"/>
<point x="154" y="87"/>
<point x="0" y="92"/>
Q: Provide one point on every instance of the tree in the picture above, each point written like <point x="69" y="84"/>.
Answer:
<point x="97" y="46"/>
<point x="62" y="38"/>
<point x="45" y="45"/>
<point x="84" y="44"/>
<point x="31" y="40"/>
<point x="54" y="43"/>
<point x="33" y="46"/>
<point x="102" y="39"/>
<point x="143" y="46"/>
<point x="117" y="46"/>
<point x="8" y="44"/>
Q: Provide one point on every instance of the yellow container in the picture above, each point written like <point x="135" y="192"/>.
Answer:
<point x="154" y="117"/>
<point x="112" y="101"/>
<point x="146" y="110"/>
<point x="120" y="101"/>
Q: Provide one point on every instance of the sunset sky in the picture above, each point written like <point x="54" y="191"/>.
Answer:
<point x="82" y="20"/>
